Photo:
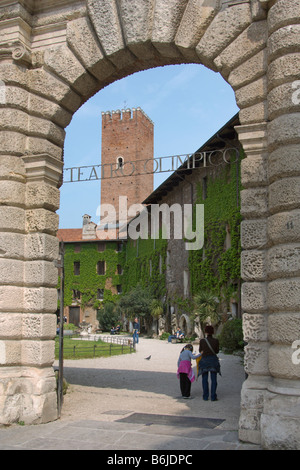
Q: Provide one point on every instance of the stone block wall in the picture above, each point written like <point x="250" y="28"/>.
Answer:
<point x="53" y="57"/>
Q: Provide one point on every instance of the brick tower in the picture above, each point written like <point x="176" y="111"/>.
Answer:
<point x="127" y="136"/>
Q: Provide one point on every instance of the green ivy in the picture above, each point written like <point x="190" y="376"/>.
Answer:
<point x="88" y="281"/>
<point x="213" y="267"/>
<point x="140" y="255"/>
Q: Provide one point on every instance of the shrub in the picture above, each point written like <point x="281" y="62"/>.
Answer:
<point x="231" y="336"/>
<point x="164" y="335"/>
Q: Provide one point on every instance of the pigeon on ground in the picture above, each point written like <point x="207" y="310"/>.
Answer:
<point x="148" y="358"/>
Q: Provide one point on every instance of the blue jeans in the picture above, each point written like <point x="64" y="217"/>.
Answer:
<point x="205" y="386"/>
<point x="135" y="337"/>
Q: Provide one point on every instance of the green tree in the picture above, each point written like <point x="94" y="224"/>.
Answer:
<point x="206" y="308"/>
<point x="137" y="303"/>
<point x="231" y="337"/>
<point x="157" y="309"/>
<point x="108" y="316"/>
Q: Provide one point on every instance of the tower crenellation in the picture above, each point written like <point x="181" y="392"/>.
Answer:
<point x="125" y="115"/>
<point x="127" y="136"/>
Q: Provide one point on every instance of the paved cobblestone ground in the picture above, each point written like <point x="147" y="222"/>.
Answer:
<point x="130" y="403"/>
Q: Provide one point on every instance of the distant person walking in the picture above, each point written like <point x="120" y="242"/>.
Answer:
<point x="209" y="348"/>
<point x="136" y="331"/>
<point x="185" y="371"/>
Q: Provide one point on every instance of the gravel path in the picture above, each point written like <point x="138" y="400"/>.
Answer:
<point x="107" y="389"/>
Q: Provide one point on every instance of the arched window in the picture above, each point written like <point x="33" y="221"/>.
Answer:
<point x="120" y="162"/>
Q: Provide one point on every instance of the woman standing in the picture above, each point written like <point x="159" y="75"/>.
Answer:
<point x="185" y="372"/>
<point x="209" y="348"/>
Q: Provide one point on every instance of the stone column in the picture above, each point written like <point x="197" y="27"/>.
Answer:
<point x="280" y="420"/>
<point x="28" y="245"/>
<point x="254" y="240"/>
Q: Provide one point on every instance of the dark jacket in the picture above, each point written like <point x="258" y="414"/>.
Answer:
<point x="214" y="342"/>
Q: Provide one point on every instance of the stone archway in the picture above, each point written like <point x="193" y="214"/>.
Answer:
<point x="52" y="59"/>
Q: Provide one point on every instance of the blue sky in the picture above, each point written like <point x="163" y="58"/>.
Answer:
<point x="187" y="103"/>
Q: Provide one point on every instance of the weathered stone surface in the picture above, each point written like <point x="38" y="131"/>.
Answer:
<point x="280" y="100"/>
<point x="284" y="194"/>
<point x="255" y="113"/>
<point x="41" y="220"/>
<point x="83" y="41"/>
<point x="252" y="93"/>
<point x="284" y="41"/>
<point x="284" y="227"/>
<point x="41" y="326"/>
<point x="12" y="143"/>
<point x="254" y="171"/>
<point x="12" y="192"/>
<point x="254" y="265"/>
<point x="11" y="325"/>
<point x="196" y="18"/>
<point x="105" y="19"/>
<point x="49" y="86"/>
<point x="280" y="433"/>
<point x="283" y="69"/>
<point x="12" y="219"/>
<point x="38" y="146"/>
<point x="41" y="246"/>
<point x="65" y="65"/>
<point x="281" y="364"/>
<point x="10" y="352"/>
<point x="247" y="44"/>
<point x="249" y="71"/>
<point x="284" y="261"/>
<point x="284" y="130"/>
<point x="254" y="202"/>
<point x="137" y="21"/>
<point x="256" y="358"/>
<point x="166" y="20"/>
<point x="255" y="327"/>
<point x="12" y="168"/>
<point x="254" y="234"/>
<point x="284" y="12"/>
<point x="11" y="271"/>
<point x="21" y="325"/>
<point x="254" y="297"/>
<point x="225" y="27"/>
<point x="40" y="273"/>
<point x="12" y="245"/>
<point x="27" y="395"/>
<point x="284" y="328"/>
<point x="40" y="300"/>
<point x="39" y="353"/>
<point x="43" y="196"/>
<point x="253" y="138"/>
<point x="284" y="162"/>
<point x="284" y="295"/>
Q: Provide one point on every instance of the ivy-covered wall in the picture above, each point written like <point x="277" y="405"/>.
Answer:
<point x="216" y="267"/>
<point x="145" y="263"/>
<point x="142" y="261"/>
<point x="89" y="281"/>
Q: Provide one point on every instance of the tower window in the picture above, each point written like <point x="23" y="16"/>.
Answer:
<point x="120" y="162"/>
